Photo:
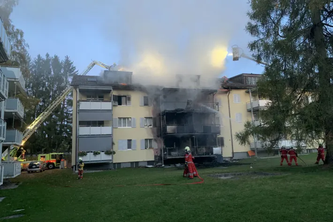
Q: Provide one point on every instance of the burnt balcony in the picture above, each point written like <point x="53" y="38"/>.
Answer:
<point x="187" y="106"/>
<point x="175" y="152"/>
<point x="5" y="46"/>
<point x="191" y="129"/>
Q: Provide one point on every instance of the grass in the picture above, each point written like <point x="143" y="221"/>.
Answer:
<point x="300" y="194"/>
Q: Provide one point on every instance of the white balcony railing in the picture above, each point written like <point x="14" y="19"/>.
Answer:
<point x="14" y="75"/>
<point x="90" y="157"/>
<point x="106" y="130"/>
<point x="95" y="105"/>
<point x="4" y="39"/>
<point x="1" y="173"/>
<point x="14" y="105"/>
<point x="3" y="86"/>
<point x="258" y="104"/>
<point x="11" y="169"/>
<point x="13" y="136"/>
<point x="3" y="126"/>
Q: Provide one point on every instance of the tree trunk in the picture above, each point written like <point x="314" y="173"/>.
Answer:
<point x="325" y="102"/>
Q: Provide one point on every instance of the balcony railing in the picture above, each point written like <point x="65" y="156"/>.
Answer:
<point x="14" y="105"/>
<point x="257" y="104"/>
<point x="3" y="86"/>
<point x="197" y="107"/>
<point x="102" y="157"/>
<point x="175" y="152"/>
<point x="192" y="129"/>
<point x="12" y="169"/>
<point x="96" y="105"/>
<point x="14" y="75"/>
<point x="3" y="126"/>
<point x="13" y="136"/>
<point x="1" y="173"/>
<point x="89" y="130"/>
<point x="5" y="43"/>
<point x="285" y="143"/>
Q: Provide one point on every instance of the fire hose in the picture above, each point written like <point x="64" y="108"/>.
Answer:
<point x="165" y="184"/>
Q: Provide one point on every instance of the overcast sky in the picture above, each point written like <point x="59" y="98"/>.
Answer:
<point x="174" y="35"/>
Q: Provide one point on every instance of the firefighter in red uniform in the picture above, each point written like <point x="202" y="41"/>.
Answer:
<point x="293" y="156"/>
<point x="321" y="154"/>
<point x="284" y="155"/>
<point x="190" y="170"/>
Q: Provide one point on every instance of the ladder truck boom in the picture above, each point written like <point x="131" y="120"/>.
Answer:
<point x="46" y="113"/>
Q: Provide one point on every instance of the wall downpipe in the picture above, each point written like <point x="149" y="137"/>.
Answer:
<point x="230" y="123"/>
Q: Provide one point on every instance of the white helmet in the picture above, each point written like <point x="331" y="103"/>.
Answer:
<point x="187" y="149"/>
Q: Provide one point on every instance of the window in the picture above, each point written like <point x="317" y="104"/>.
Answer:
<point x="91" y="123"/>
<point x="148" y="122"/>
<point x="148" y="143"/>
<point x="251" y="80"/>
<point x="122" y="100"/>
<point x="145" y="101"/>
<point x="124" y="122"/>
<point x="218" y="121"/>
<point x="237" y="98"/>
<point x="238" y="117"/>
<point x="129" y="144"/>
<point x="95" y="97"/>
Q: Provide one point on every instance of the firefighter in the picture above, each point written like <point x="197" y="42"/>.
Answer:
<point x="293" y="156"/>
<point x="80" y="169"/>
<point x="190" y="170"/>
<point x="284" y="155"/>
<point x="321" y="154"/>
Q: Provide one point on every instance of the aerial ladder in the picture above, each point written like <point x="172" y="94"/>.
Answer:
<point x="46" y="113"/>
<point x="236" y="54"/>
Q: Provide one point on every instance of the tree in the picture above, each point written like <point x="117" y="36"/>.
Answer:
<point x="49" y="77"/>
<point x="295" y="38"/>
<point x="20" y="56"/>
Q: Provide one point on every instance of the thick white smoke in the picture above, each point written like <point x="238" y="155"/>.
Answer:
<point x="161" y="38"/>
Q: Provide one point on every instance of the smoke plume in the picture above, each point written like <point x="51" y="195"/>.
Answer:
<point x="160" y="39"/>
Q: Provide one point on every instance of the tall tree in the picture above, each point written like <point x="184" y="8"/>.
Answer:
<point x="20" y="55"/>
<point x="296" y="39"/>
<point x="49" y="77"/>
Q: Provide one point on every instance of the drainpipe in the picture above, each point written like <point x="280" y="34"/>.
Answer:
<point x="231" y="136"/>
<point x="112" y="126"/>
<point x="77" y="127"/>
<point x="217" y="141"/>
<point x="252" y="118"/>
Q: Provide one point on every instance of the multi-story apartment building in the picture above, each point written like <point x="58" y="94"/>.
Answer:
<point x="110" y="113"/>
<point x="237" y="106"/>
<point x="14" y="110"/>
<point x="142" y="125"/>
<point x="5" y="51"/>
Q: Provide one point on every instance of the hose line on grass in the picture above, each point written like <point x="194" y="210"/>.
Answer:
<point x="165" y="184"/>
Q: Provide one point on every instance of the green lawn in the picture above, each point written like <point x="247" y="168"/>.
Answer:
<point x="302" y="193"/>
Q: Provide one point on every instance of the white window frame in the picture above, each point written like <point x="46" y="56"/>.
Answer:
<point x="145" y="97"/>
<point x="238" y="117"/>
<point x="148" y="143"/>
<point x="129" y="141"/>
<point x="237" y="98"/>
<point x="147" y="121"/>
<point x="124" y="122"/>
